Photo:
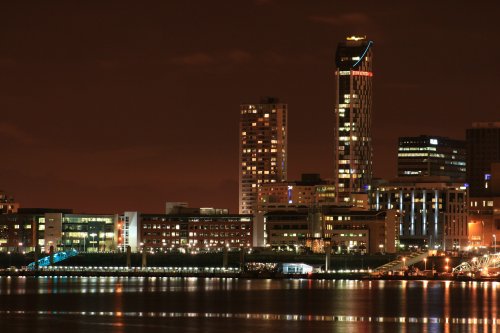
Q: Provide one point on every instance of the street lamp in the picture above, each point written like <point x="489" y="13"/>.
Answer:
<point x="425" y="264"/>
<point x="495" y="243"/>
<point x="446" y="267"/>
<point x="404" y="263"/>
<point x="482" y="237"/>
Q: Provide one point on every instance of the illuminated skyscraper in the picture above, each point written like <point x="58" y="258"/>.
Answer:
<point x="353" y="117"/>
<point x="263" y="149"/>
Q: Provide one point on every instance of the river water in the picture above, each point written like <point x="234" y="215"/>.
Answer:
<point x="226" y="305"/>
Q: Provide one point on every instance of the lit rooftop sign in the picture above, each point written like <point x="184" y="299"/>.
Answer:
<point x="356" y="38"/>
<point x="434" y="141"/>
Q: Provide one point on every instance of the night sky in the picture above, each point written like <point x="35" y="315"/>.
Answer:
<point x="109" y="106"/>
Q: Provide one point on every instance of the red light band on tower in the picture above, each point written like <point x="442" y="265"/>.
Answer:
<point x="362" y="73"/>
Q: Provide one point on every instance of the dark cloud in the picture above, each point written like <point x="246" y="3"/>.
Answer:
<point x="194" y="59"/>
<point x="239" y="56"/>
<point x="215" y="58"/>
<point x="342" y="19"/>
<point x="14" y="133"/>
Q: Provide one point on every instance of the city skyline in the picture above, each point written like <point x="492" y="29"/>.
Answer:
<point x="109" y="107"/>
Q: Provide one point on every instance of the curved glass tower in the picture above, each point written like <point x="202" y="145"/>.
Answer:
<point x="353" y="117"/>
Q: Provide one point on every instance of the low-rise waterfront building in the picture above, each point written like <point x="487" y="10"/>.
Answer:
<point x="57" y="228"/>
<point x="343" y="229"/>
<point x="310" y="191"/>
<point x="185" y="229"/>
<point x="432" y="210"/>
<point x="484" y="214"/>
<point x="361" y="231"/>
<point x="162" y="232"/>
<point x="287" y="230"/>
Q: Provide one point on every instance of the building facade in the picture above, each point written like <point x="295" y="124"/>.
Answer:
<point x="262" y="149"/>
<point x="342" y="229"/>
<point x="353" y="117"/>
<point x="287" y="229"/>
<point x="483" y="149"/>
<point x="361" y="231"/>
<point x="432" y="211"/>
<point x="484" y="223"/>
<point x="194" y="232"/>
<point x="431" y="156"/>
<point x="484" y="215"/>
<point x="7" y="204"/>
<point x="309" y="192"/>
<point x="57" y="228"/>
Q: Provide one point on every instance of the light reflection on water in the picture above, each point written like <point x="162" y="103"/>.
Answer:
<point x="263" y="316"/>
<point x="441" y="305"/>
<point x="61" y="285"/>
<point x="51" y="285"/>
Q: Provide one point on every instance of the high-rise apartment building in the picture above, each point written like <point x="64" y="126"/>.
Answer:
<point x="262" y="149"/>
<point x="353" y="113"/>
<point x="483" y="149"/>
<point x="431" y="156"/>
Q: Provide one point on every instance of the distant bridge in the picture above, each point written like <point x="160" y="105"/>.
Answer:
<point x="479" y="264"/>
<point x="59" y="256"/>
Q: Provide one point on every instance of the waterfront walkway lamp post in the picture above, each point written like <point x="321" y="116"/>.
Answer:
<point x="404" y="263"/>
<point x="425" y="264"/>
<point x="483" y="243"/>
<point x="446" y="267"/>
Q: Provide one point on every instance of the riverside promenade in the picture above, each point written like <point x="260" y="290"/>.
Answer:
<point x="233" y="265"/>
<point x="220" y="272"/>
